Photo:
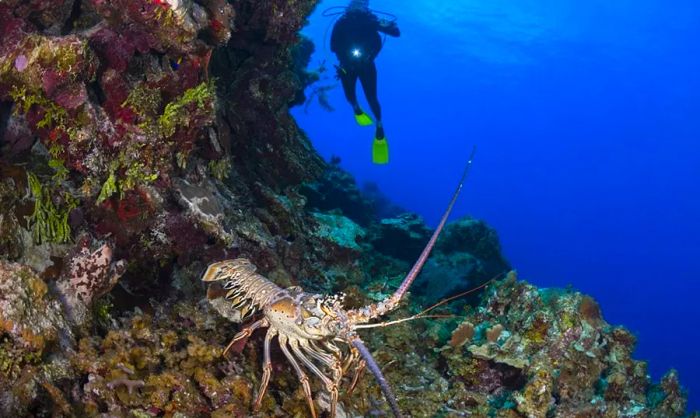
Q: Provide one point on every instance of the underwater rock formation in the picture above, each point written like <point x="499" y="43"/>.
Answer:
<point x="33" y="333"/>
<point x="549" y="352"/>
<point x="467" y="254"/>
<point x="336" y="190"/>
<point x="141" y="140"/>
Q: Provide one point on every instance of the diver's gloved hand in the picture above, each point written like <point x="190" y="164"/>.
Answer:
<point x="339" y="72"/>
<point x="389" y="27"/>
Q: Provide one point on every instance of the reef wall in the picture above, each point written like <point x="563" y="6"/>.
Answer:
<point x="141" y="140"/>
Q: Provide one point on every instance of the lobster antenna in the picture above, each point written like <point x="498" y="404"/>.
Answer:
<point x="375" y="310"/>
<point x="402" y="320"/>
<point x="411" y="276"/>
<point x="377" y="372"/>
<point x="459" y="295"/>
<point x="422" y="314"/>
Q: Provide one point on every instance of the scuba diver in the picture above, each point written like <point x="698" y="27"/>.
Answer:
<point x="356" y="42"/>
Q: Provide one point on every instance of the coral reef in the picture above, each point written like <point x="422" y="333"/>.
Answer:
<point x="141" y="140"/>
<point x="547" y="352"/>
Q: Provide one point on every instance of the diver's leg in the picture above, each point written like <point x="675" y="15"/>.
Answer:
<point x="348" y="79"/>
<point x="368" y="78"/>
<point x="380" y="148"/>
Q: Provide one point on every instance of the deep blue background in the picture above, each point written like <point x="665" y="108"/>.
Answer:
<point x="587" y="118"/>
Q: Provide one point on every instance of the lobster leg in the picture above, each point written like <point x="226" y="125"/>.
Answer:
<point x="302" y="376"/>
<point x="267" y="369"/>
<point x="245" y="333"/>
<point x="359" y="371"/>
<point x="352" y="358"/>
<point x="332" y="348"/>
<point x="331" y="387"/>
<point x="330" y="361"/>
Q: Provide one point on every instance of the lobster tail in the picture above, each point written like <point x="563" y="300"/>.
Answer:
<point x="247" y="290"/>
<point x="229" y="270"/>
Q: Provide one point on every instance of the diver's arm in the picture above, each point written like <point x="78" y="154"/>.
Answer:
<point x="388" y="27"/>
<point x="334" y="39"/>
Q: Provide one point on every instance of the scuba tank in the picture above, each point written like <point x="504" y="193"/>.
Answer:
<point x="358" y="4"/>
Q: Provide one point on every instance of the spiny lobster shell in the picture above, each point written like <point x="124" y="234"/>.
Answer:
<point x="244" y="290"/>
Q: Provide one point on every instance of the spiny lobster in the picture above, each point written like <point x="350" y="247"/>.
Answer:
<point x="309" y="327"/>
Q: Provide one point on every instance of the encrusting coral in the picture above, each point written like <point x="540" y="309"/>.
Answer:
<point x="141" y="140"/>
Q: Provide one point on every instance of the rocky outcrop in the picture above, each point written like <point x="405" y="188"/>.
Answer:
<point x="34" y="338"/>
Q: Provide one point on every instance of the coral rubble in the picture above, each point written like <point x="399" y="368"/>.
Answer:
<point x="141" y="140"/>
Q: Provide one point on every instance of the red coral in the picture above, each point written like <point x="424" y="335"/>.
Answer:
<point x="117" y="49"/>
<point x="132" y="205"/>
<point x="71" y="96"/>
<point x="12" y="29"/>
<point x="187" y="239"/>
<point x="162" y="4"/>
<point x="216" y="26"/>
<point x="112" y="48"/>
<point x="50" y="80"/>
<point x="59" y="87"/>
<point x="116" y="91"/>
<point x="56" y="135"/>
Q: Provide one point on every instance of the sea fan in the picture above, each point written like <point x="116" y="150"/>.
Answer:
<point x="321" y="95"/>
<point x="324" y="103"/>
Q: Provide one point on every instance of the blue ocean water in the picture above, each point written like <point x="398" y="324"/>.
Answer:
<point x="587" y="120"/>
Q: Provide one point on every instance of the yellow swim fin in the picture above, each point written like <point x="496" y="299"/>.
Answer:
<point x="380" y="151"/>
<point x="363" y="119"/>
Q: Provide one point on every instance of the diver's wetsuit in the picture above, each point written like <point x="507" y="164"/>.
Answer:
<point x="356" y="42"/>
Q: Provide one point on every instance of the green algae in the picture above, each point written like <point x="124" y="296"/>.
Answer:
<point x="109" y="187"/>
<point x="220" y="169"/>
<point x="49" y="223"/>
<point x="135" y="173"/>
<point x="144" y="101"/>
<point x="54" y="115"/>
<point x="176" y="114"/>
<point x="60" y="170"/>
